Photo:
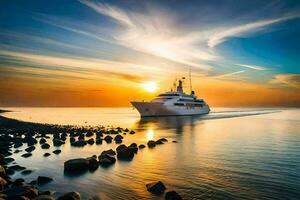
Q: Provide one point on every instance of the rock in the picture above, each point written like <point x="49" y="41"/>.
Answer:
<point x="104" y="162"/>
<point x="134" y="145"/>
<point x="108" y="139"/>
<point x="58" y="142"/>
<point x="157" y="188"/>
<point x="8" y="160"/>
<point x="91" y="141"/>
<point x="44" y="197"/>
<point x="106" y="159"/>
<point x="45" y="146"/>
<point x="46" y="154"/>
<point x="42" y="141"/>
<point x="3" y="184"/>
<point x="26" y="155"/>
<point x="41" y="180"/>
<point x="121" y="147"/>
<point x="26" y="191"/>
<point x="174" y="141"/>
<point x="72" y="139"/>
<point x="2" y="171"/>
<point x="125" y="154"/>
<point x="141" y="146"/>
<point x="81" y="137"/>
<point x="172" y="195"/>
<point x="110" y="152"/>
<point x="18" y="144"/>
<point x="89" y="134"/>
<point x="163" y="139"/>
<point x="26" y="172"/>
<point x="17" y="151"/>
<point x="30" y="141"/>
<point x="118" y="138"/>
<point x="159" y="142"/>
<point x="16" y="168"/>
<point x="57" y="151"/>
<point x="70" y="196"/>
<point x="76" y="165"/>
<point x="151" y="144"/>
<point x="79" y="143"/>
<point x="99" y="134"/>
<point x="93" y="163"/>
<point x="98" y="140"/>
<point x="30" y="149"/>
<point x="132" y="132"/>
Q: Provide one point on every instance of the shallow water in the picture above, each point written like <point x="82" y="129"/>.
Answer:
<point x="228" y="154"/>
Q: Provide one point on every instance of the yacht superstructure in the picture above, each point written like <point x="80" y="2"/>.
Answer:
<point x="173" y="103"/>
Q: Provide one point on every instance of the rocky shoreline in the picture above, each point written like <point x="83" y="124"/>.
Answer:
<point x="15" y="134"/>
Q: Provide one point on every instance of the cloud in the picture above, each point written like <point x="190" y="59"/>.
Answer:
<point x="247" y="28"/>
<point x="229" y="74"/>
<point x="255" y="67"/>
<point x="291" y="80"/>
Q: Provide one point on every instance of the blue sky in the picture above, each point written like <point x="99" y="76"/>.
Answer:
<point x="255" y="42"/>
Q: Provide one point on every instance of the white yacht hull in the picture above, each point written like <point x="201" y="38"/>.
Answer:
<point x="151" y="109"/>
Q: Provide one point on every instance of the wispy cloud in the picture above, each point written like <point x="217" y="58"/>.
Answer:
<point x="229" y="74"/>
<point x="255" y="67"/>
<point x="291" y="80"/>
<point x="247" y="28"/>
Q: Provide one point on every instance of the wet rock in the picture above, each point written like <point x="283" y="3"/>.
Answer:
<point x="79" y="143"/>
<point x="81" y="137"/>
<point x="26" y="155"/>
<point x="26" y="172"/>
<point x="8" y="160"/>
<point x="16" y="168"/>
<point x="157" y="188"/>
<point x="163" y="139"/>
<point x="125" y="153"/>
<point x="70" y="196"/>
<point x="76" y="165"/>
<point x="18" y="144"/>
<point x="44" y="197"/>
<point x="118" y="138"/>
<point x="58" y="142"/>
<point x="98" y="140"/>
<point x="3" y="184"/>
<point x="105" y="162"/>
<point x="26" y="191"/>
<point x="159" y="142"/>
<point x="30" y="141"/>
<point x="30" y="149"/>
<point x="110" y="152"/>
<point x="42" y="141"/>
<point x="108" y="139"/>
<point x="18" y="182"/>
<point x="10" y="172"/>
<point x="2" y="171"/>
<point x="45" y="146"/>
<point x="91" y="141"/>
<point x="172" y="195"/>
<point x="141" y="146"/>
<point x="121" y="147"/>
<point x="89" y="134"/>
<point x="57" y="151"/>
<point x="132" y="132"/>
<point x="174" y="141"/>
<point x="41" y="180"/>
<point x="72" y="139"/>
<point x="151" y="144"/>
<point x="99" y="134"/>
<point x="107" y="158"/>
<point x="46" y="154"/>
<point x="17" y="151"/>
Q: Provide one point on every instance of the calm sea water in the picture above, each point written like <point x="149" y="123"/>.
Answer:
<point x="228" y="154"/>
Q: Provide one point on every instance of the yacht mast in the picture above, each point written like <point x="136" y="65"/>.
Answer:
<point x="190" y="77"/>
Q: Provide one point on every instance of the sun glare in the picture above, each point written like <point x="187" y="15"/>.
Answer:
<point x="150" y="86"/>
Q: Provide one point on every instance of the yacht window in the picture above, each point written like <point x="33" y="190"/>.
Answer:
<point x="163" y="95"/>
<point x="178" y="104"/>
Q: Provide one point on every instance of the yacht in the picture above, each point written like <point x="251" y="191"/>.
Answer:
<point x="173" y="103"/>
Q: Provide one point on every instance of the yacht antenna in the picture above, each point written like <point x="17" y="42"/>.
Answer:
<point x="190" y="77"/>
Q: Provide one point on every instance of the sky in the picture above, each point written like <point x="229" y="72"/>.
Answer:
<point x="103" y="53"/>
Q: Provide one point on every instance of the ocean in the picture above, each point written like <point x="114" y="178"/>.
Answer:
<point x="231" y="153"/>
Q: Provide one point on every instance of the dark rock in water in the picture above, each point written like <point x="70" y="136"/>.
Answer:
<point x="132" y="132"/>
<point x="33" y="182"/>
<point x="41" y="180"/>
<point x="108" y="139"/>
<point x="110" y="152"/>
<point x="157" y="188"/>
<point x="46" y="154"/>
<point x="57" y="151"/>
<point x="17" y="151"/>
<point x="99" y="134"/>
<point x="16" y="168"/>
<point x="45" y="146"/>
<point x="93" y="163"/>
<point x="105" y="162"/>
<point x="46" y="192"/>
<point x="58" y="142"/>
<point x="17" y="182"/>
<point x="126" y="130"/>
<point x="42" y="141"/>
<point x="18" y="144"/>
<point x="118" y="138"/>
<point x="76" y="165"/>
<point x="89" y="134"/>
<point x="10" y="172"/>
<point x="70" y="196"/>
<point x="26" y="172"/>
<point x="98" y="140"/>
<point x="174" y="141"/>
<point x="125" y="153"/>
<point x="106" y="158"/>
<point x="3" y="184"/>
<point x="8" y="160"/>
<point x="79" y="143"/>
<point x="30" y="149"/>
<point x="2" y="171"/>
<point x="45" y="197"/>
<point x="30" y="141"/>
<point x="159" y="142"/>
<point x="26" y="191"/>
<point x="121" y="147"/>
<point x="141" y="146"/>
<point x="163" y="139"/>
<point x="172" y="195"/>
<point x="151" y="144"/>
<point x="81" y="137"/>
<point x="91" y="141"/>
<point x="72" y="139"/>
<point x="26" y="155"/>
<point x="133" y="145"/>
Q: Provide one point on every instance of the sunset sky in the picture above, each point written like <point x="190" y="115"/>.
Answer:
<point x="102" y="53"/>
